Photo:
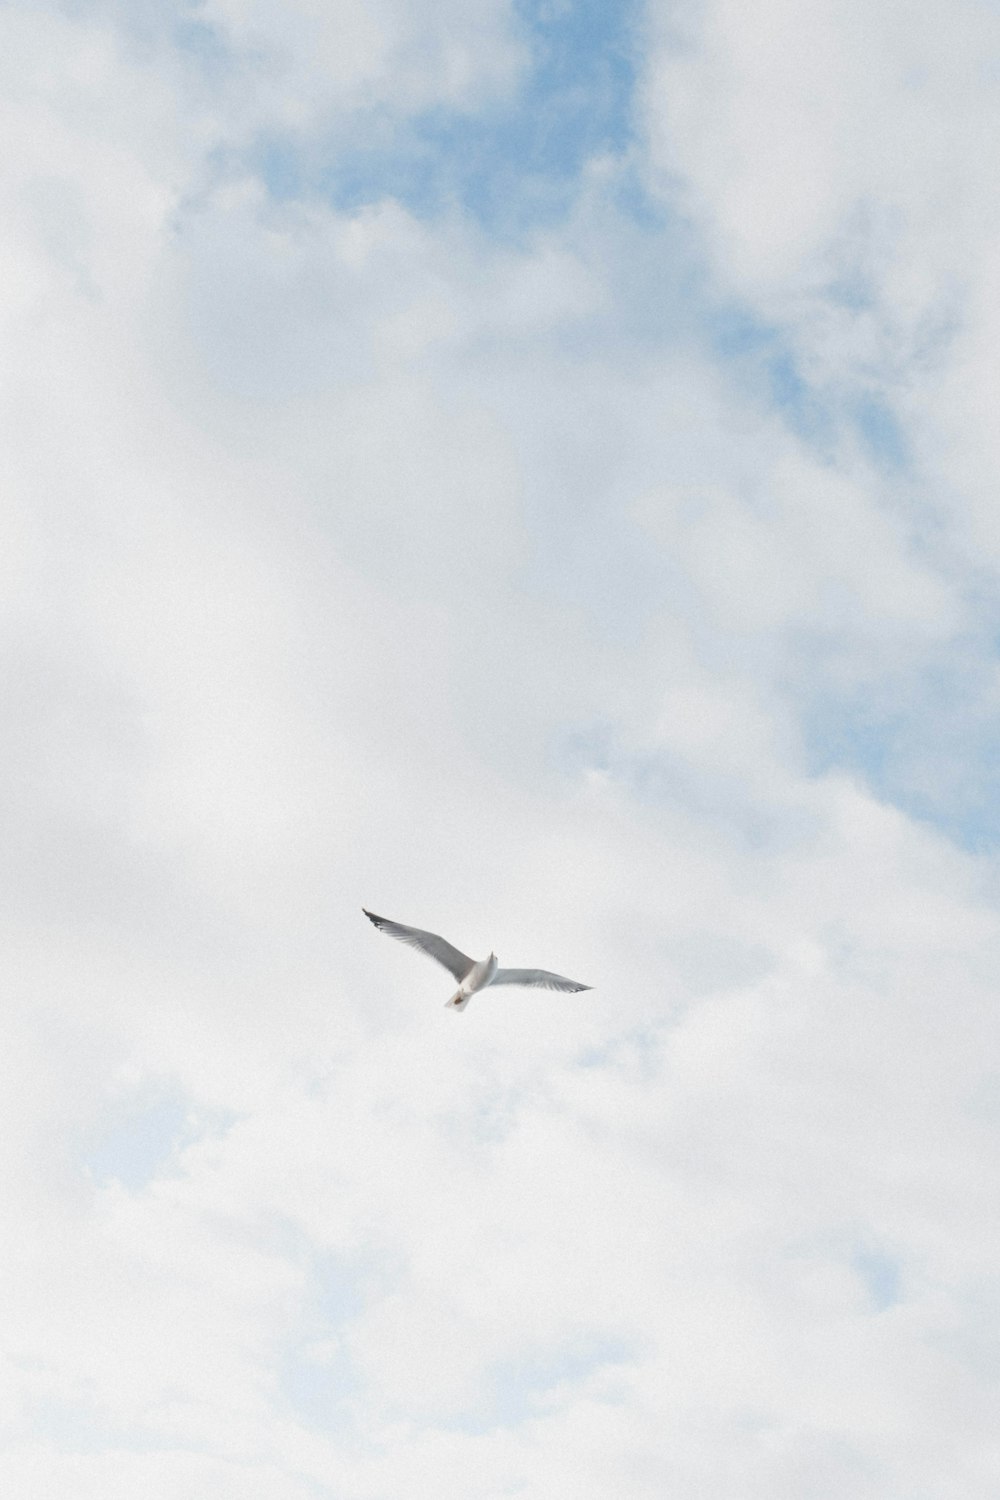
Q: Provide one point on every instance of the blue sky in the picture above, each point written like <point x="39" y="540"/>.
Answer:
<point x="518" y="168"/>
<point x="529" y="470"/>
<point x="512" y="166"/>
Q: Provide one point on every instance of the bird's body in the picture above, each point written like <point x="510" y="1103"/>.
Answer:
<point x="479" y="976"/>
<point x="472" y="974"/>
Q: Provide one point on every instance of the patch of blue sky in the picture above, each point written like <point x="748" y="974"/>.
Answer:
<point x="882" y="1276"/>
<point x="852" y="1248"/>
<point x="319" y="1383"/>
<point x="522" y="1388"/>
<point x="142" y="1137"/>
<point x="181" y="25"/>
<point x="757" y="353"/>
<point x="637" y="1050"/>
<point x="760" y="352"/>
<point x="203" y="44"/>
<point x="140" y="1141"/>
<point x="852" y="736"/>
<point x="928" y="745"/>
<point x="880" y="432"/>
<point x="582" y="749"/>
<point x="336" y="1297"/>
<point x="662" y="779"/>
<point x="851" y="288"/>
<point x="316" y="1375"/>
<point x="511" y="164"/>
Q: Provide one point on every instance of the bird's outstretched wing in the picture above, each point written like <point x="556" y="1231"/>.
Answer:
<point x="435" y="947"/>
<point x="537" y="979"/>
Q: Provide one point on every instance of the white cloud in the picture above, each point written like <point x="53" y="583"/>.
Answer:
<point x="357" y="558"/>
<point x="849" y="131"/>
<point x="304" y="64"/>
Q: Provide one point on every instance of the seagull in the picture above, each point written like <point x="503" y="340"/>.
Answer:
<point x="472" y="974"/>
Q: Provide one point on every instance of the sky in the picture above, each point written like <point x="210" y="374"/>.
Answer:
<point x="529" y="469"/>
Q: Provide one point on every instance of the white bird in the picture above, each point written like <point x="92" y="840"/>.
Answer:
<point x="472" y="974"/>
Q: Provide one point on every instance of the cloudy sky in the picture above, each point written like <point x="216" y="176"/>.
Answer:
<point x="530" y="467"/>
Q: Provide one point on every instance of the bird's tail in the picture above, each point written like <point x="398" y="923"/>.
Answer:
<point x="458" y="1001"/>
